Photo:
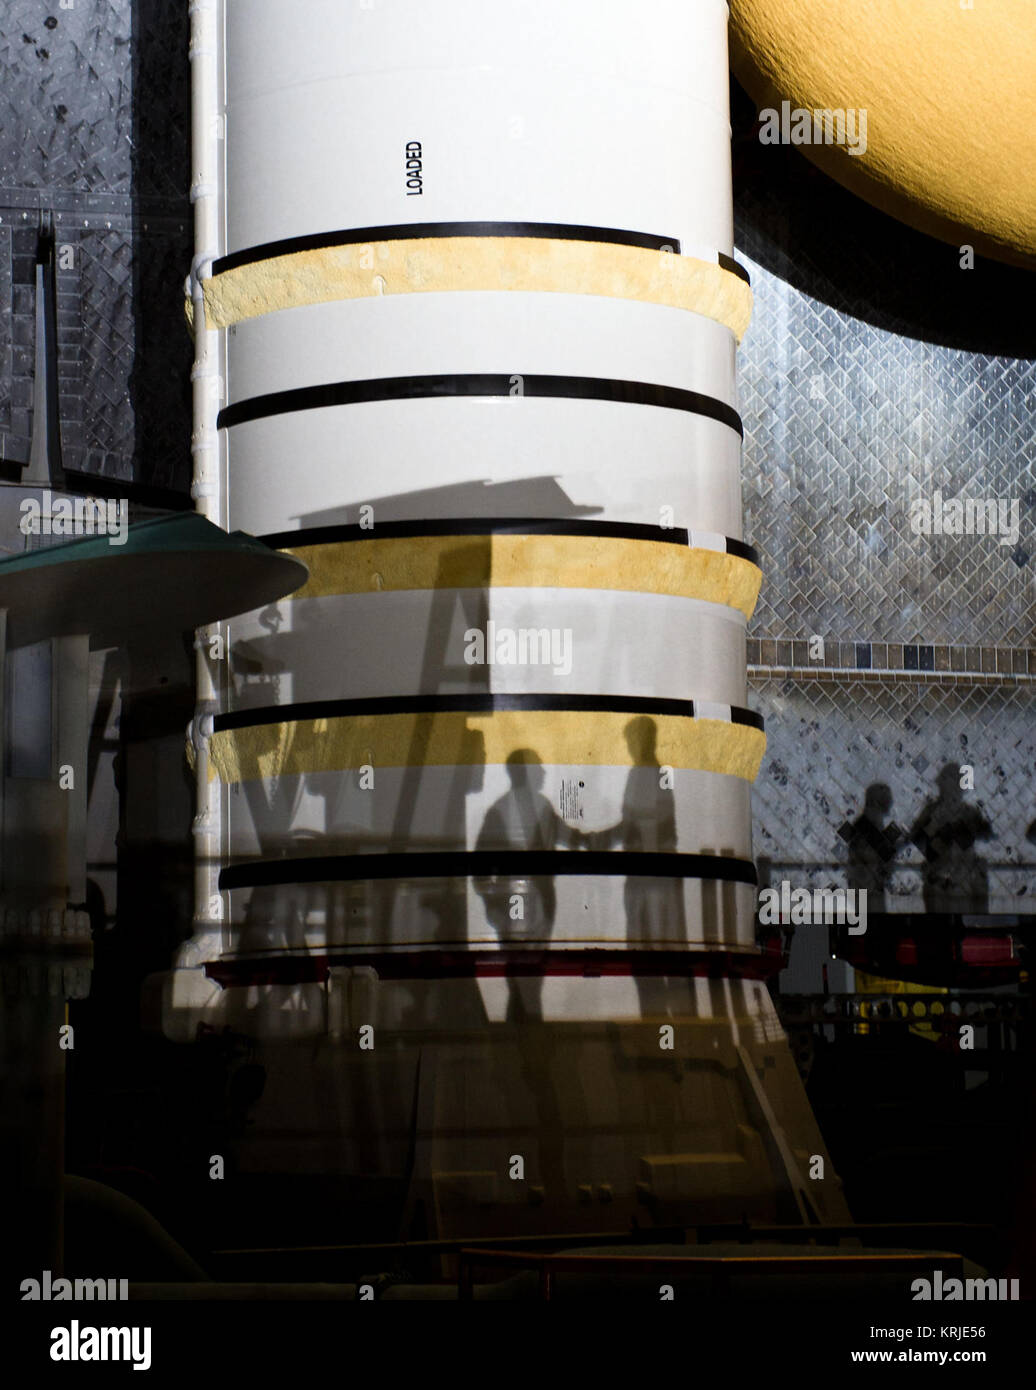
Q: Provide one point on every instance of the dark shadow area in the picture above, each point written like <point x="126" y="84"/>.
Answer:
<point x="655" y="913"/>
<point x="162" y="239"/>
<point x="521" y="910"/>
<point x="955" y="876"/>
<point x="872" y="846"/>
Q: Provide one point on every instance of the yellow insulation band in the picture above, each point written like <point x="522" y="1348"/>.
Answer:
<point x="530" y="561"/>
<point x="572" y="738"/>
<point x="436" y="264"/>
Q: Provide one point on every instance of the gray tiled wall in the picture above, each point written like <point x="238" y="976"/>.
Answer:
<point x="828" y="743"/>
<point x="844" y="424"/>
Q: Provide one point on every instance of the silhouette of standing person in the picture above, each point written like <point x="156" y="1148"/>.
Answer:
<point x="872" y="847"/>
<point x="654" y="906"/>
<point x="522" y="909"/>
<point x="955" y="877"/>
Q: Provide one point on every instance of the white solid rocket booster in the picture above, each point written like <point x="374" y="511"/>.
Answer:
<point x="467" y="317"/>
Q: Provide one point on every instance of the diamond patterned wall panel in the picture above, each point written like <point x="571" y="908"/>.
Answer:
<point x="94" y="105"/>
<point x="67" y="115"/>
<point x="66" y="81"/>
<point x="107" y="430"/>
<point x="845" y="424"/>
<point x="828" y="742"/>
<point x="125" y="357"/>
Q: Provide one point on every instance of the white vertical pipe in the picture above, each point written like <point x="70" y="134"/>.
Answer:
<point x="207" y="390"/>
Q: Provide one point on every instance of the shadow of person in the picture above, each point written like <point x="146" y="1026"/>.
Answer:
<point x="955" y="875"/>
<point x="872" y="847"/>
<point x="654" y="906"/>
<point x="521" y="909"/>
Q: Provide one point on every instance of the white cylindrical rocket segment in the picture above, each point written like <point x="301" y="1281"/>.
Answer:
<point x="479" y="313"/>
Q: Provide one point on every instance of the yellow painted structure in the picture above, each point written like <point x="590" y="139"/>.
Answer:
<point x="949" y="87"/>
